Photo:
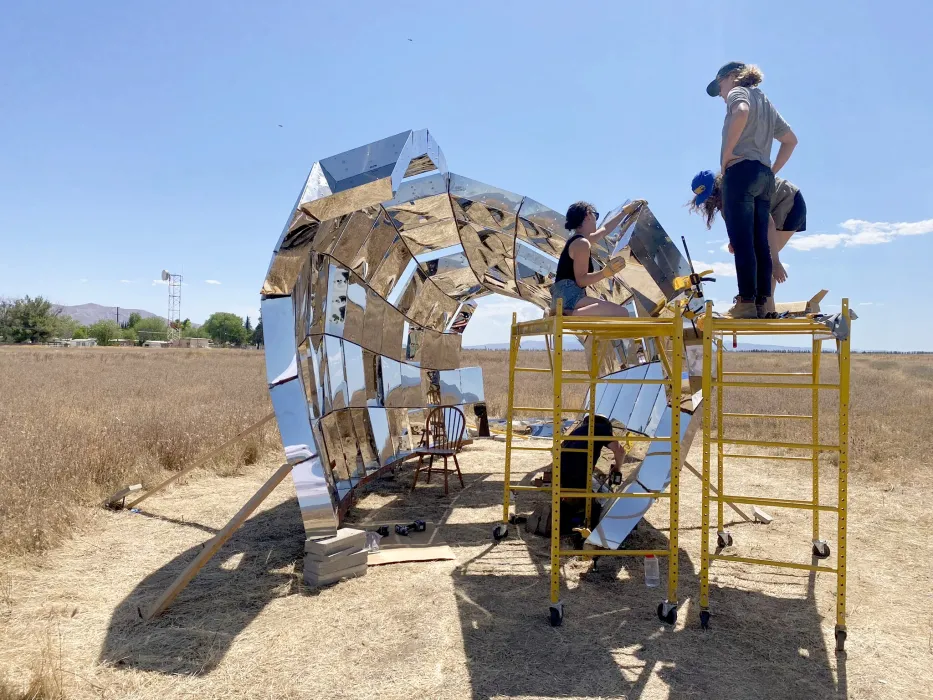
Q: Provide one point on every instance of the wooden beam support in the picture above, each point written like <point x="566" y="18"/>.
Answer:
<point x="215" y="543"/>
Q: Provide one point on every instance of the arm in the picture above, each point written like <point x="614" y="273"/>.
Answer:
<point x="777" y="269"/>
<point x="788" y="141"/>
<point x="580" y="253"/>
<point x="738" y="116"/>
<point x="614" y="221"/>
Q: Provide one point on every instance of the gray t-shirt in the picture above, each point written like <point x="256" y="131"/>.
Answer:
<point x="782" y="201"/>
<point x="763" y="126"/>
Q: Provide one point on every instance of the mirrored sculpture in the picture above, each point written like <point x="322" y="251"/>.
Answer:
<point x="375" y="277"/>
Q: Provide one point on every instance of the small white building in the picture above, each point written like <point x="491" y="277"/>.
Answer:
<point x="81" y="342"/>
<point x="155" y="344"/>
<point x="192" y="343"/>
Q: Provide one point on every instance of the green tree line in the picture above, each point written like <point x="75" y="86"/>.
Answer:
<point x="34" y="320"/>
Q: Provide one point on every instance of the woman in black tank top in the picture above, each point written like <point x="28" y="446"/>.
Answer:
<point x="575" y="266"/>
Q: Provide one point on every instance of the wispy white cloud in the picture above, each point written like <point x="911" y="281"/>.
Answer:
<point x="125" y="282"/>
<point x="867" y="303"/>
<point x="711" y="252"/>
<point x="724" y="247"/>
<point x="720" y="269"/>
<point x="83" y="280"/>
<point x="162" y="282"/>
<point x="212" y="282"/>
<point x="857" y="232"/>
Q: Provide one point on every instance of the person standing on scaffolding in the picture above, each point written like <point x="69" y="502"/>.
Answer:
<point x="751" y="125"/>
<point x="575" y="265"/>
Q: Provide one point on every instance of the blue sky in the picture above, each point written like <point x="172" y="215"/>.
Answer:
<point x="136" y="137"/>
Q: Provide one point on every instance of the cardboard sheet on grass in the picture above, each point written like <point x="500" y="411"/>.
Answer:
<point x="416" y="546"/>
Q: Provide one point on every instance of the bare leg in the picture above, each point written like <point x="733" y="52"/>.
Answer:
<point x="598" y="307"/>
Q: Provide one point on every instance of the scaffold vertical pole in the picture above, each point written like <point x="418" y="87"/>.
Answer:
<point x="673" y="568"/>
<point x="514" y="342"/>
<point x="707" y="410"/>
<point x="720" y="468"/>
<point x="558" y="363"/>
<point x="591" y="431"/>
<point x="843" y="351"/>
<point x="817" y="352"/>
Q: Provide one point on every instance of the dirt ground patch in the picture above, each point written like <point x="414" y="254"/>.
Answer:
<point x="476" y="627"/>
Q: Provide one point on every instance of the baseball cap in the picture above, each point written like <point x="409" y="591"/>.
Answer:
<point x="713" y="88"/>
<point x="702" y="186"/>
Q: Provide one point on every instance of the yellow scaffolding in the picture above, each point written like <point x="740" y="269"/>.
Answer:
<point x="596" y="329"/>
<point x="714" y="331"/>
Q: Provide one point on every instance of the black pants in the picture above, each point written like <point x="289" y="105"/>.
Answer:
<point x="747" y="187"/>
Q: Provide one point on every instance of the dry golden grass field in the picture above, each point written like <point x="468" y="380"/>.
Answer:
<point x="78" y="422"/>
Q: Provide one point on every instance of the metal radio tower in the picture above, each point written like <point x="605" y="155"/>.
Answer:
<point x="174" y="303"/>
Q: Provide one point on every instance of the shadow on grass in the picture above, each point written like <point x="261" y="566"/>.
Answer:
<point x="611" y="643"/>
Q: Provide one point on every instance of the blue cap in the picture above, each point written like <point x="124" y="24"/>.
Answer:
<point x="702" y="186"/>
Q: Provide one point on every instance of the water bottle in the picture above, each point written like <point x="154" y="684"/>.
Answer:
<point x="652" y="572"/>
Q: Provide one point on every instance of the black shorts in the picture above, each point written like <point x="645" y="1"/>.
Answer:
<point x="797" y="216"/>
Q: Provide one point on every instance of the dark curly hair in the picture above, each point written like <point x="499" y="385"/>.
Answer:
<point x="576" y="213"/>
<point x="712" y="204"/>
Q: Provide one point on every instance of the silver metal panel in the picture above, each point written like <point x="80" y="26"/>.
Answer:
<point x="356" y="380"/>
<point x="628" y="393"/>
<point x="647" y="397"/>
<point x="392" y="383"/>
<point x="291" y="412"/>
<point x="450" y="387"/>
<point x="620" y="519"/>
<point x="385" y="448"/>
<point x="471" y="384"/>
<point x="315" y="498"/>
<point x="338" y="383"/>
<point x="413" y="397"/>
<point x="278" y="325"/>
<point x="336" y="311"/>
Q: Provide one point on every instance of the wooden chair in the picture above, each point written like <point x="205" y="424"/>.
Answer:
<point x="442" y="437"/>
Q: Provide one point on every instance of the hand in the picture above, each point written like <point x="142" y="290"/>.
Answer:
<point x="614" y="266"/>
<point x="731" y="249"/>
<point x="778" y="271"/>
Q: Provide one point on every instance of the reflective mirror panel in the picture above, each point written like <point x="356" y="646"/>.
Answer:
<point x="356" y="378"/>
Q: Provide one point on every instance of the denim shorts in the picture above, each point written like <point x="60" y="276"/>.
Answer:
<point x="569" y="291"/>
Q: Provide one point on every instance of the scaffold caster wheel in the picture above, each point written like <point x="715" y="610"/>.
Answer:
<point x="821" y="550"/>
<point x="840" y="640"/>
<point x="667" y="613"/>
<point x="557" y="614"/>
<point x="500" y="532"/>
<point x="724" y="539"/>
<point x="704" y="620"/>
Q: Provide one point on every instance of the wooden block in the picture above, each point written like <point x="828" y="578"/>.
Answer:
<point x="335" y="564"/>
<point x="311" y="556"/>
<point x="314" y="581"/>
<point x="761" y="516"/>
<point x="346" y="538"/>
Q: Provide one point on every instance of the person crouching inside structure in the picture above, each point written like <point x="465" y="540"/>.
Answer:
<point x="788" y="216"/>
<point x="575" y="266"/>
<point x="573" y="470"/>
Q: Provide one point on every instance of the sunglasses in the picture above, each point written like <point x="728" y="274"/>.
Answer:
<point x="595" y="214"/>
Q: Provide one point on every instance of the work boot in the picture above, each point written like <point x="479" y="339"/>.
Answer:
<point x="742" y="308"/>
<point x="766" y="308"/>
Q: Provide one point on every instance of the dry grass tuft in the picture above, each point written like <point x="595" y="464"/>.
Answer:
<point x="80" y="422"/>
<point x="45" y="678"/>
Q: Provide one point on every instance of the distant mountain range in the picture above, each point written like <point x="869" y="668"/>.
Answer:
<point x="88" y="314"/>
